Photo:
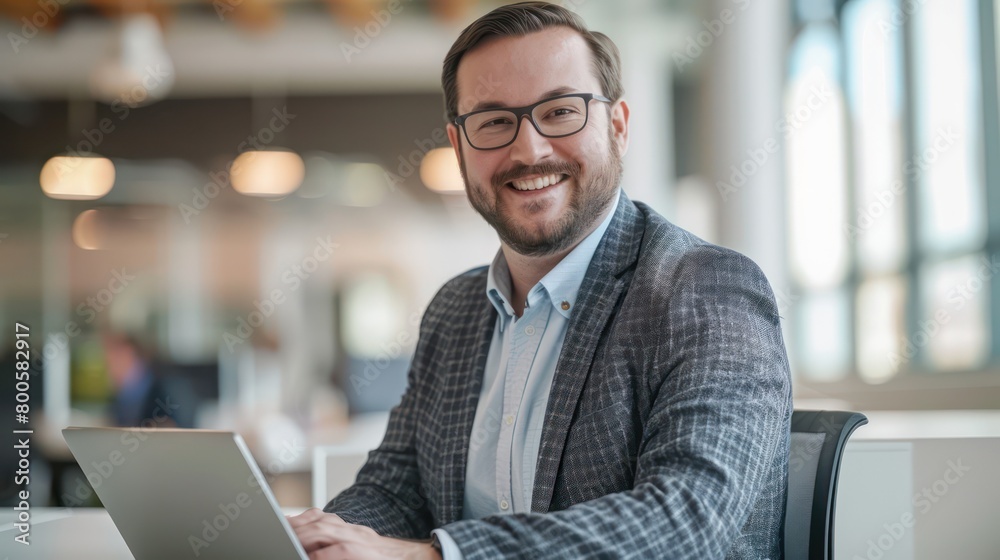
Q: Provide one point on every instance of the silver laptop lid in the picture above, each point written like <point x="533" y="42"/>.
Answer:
<point x="177" y="493"/>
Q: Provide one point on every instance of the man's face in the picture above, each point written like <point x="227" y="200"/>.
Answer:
<point x="120" y="358"/>
<point x="584" y="169"/>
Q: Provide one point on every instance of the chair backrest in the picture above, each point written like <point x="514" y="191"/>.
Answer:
<point x="817" y="444"/>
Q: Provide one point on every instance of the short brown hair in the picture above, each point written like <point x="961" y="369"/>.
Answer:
<point x="517" y="20"/>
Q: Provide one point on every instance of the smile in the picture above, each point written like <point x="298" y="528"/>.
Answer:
<point x="537" y="183"/>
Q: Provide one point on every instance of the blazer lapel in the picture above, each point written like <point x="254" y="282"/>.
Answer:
<point x="599" y="293"/>
<point x="462" y="386"/>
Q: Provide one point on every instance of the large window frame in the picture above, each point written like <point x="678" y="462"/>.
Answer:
<point x="916" y="385"/>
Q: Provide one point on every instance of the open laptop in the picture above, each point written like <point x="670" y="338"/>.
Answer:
<point x="175" y="493"/>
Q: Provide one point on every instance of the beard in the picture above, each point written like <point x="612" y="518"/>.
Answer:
<point x="587" y="202"/>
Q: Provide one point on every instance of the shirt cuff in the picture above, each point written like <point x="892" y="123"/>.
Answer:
<point x="449" y="550"/>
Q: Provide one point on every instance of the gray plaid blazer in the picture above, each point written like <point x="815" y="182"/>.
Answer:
<point x="667" y="426"/>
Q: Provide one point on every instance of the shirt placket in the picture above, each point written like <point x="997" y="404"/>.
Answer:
<point x="525" y="335"/>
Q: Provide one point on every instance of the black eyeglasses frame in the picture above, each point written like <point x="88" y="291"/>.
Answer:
<point x="521" y="112"/>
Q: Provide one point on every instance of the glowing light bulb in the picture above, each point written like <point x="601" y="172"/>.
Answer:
<point x="267" y="173"/>
<point x="77" y="178"/>
<point x="439" y="171"/>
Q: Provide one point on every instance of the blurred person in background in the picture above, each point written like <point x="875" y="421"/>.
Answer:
<point x="611" y="386"/>
<point x="142" y="398"/>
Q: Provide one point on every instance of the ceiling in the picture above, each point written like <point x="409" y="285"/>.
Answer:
<point x="301" y="54"/>
<point x="233" y="48"/>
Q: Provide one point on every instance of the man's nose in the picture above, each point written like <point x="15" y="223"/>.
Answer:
<point x="529" y="146"/>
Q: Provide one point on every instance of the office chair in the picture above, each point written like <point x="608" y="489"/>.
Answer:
<point x="817" y="445"/>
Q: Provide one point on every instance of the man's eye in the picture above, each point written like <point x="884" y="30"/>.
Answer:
<point x="499" y="121"/>
<point x="562" y="112"/>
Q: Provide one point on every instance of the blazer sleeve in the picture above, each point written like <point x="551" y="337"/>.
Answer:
<point x="711" y="445"/>
<point x="387" y="495"/>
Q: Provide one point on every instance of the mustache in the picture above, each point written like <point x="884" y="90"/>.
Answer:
<point x="501" y="178"/>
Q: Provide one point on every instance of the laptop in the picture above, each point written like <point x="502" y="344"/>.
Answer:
<point x="176" y="493"/>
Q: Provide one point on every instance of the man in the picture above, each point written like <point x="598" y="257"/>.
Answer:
<point x="611" y="386"/>
<point x="143" y="398"/>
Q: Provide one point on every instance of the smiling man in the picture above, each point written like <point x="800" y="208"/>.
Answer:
<point x="611" y="386"/>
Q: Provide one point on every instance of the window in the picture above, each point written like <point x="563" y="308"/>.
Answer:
<point x="887" y="189"/>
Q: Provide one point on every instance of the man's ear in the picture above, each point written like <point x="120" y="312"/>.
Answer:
<point x="455" y="140"/>
<point x="619" y="124"/>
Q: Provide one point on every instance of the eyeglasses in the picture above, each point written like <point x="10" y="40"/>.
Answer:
<point x="555" y="117"/>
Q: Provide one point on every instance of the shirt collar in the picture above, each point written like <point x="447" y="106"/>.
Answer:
<point x="562" y="283"/>
<point x="498" y="287"/>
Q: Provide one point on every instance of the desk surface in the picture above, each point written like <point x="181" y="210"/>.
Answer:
<point x="77" y="533"/>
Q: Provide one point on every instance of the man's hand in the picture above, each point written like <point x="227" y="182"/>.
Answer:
<point x="325" y="536"/>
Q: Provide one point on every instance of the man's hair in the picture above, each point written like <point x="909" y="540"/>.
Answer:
<point x="517" y="20"/>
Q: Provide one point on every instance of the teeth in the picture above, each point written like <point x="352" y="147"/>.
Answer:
<point x="537" y="183"/>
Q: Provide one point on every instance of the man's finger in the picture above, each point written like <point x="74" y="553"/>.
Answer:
<point x="307" y="516"/>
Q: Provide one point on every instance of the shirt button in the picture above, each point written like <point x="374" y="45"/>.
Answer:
<point x="565" y="306"/>
<point x="508" y="419"/>
<point x="529" y="330"/>
<point x="504" y="505"/>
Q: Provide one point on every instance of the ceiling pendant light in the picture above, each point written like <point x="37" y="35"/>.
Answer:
<point x="139" y="71"/>
<point x="77" y="177"/>
<point x="267" y="173"/>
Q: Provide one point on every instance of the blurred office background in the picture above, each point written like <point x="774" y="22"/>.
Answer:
<point x="273" y="213"/>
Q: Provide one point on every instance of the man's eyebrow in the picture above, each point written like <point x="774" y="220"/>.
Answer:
<point x="498" y="105"/>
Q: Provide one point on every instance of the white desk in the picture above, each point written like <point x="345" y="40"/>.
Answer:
<point x="78" y="534"/>
<point x="83" y="533"/>
<point x="921" y="486"/>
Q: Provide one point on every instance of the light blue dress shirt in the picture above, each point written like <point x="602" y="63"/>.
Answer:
<point x="507" y="430"/>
